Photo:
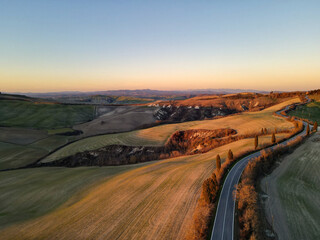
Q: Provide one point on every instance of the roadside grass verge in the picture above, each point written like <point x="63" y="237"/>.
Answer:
<point x="21" y="136"/>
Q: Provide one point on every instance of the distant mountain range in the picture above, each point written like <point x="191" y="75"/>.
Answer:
<point x="139" y="93"/>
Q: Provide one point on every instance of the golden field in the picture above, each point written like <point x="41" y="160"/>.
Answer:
<point x="244" y="123"/>
<point x="155" y="201"/>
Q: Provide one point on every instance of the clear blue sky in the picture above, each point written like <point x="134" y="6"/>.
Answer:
<point x="99" y="45"/>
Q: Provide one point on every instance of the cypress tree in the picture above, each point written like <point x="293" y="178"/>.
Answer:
<point x="315" y="126"/>
<point x="218" y="162"/>
<point x="230" y="155"/>
<point x="215" y="181"/>
<point x="206" y="190"/>
<point x="209" y="189"/>
<point x="273" y="140"/>
<point x="255" y="142"/>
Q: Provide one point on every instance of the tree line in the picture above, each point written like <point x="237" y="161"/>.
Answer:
<point x="208" y="200"/>
<point x="250" y="223"/>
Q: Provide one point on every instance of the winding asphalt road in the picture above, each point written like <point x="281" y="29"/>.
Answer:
<point x="223" y="228"/>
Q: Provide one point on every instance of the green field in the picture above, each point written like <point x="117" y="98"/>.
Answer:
<point x="16" y="155"/>
<point x="299" y="191"/>
<point x="29" y="193"/>
<point x="21" y="136"/>
<point x="310" y="111"/>
<point x="43" y="116"/>
<point x="60" y="131"/>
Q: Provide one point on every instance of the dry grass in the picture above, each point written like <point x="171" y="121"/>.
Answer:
<point x="156" y="201"/>
<point x="244" y="123"/>
<point x="231" y="101"/>
<point x="29" y="193"/>
<point x="315" y="97"/>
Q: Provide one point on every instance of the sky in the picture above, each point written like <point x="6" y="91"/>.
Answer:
<point x="79" y="45"/>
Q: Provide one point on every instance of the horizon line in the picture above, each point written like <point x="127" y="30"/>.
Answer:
<point x="148" y="89"/>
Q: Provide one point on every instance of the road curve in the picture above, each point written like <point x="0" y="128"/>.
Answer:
<point x="223" y="228"/>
